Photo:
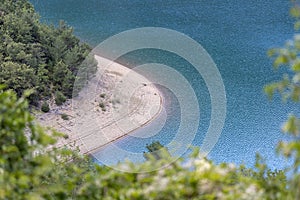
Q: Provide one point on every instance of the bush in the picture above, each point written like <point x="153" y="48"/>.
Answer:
<point x="45" y="107"/>
<point x="102" y="106"/>
<point x="65" y="116"/>
<point x="66" y="136"/>
<point x="59" y="98"/>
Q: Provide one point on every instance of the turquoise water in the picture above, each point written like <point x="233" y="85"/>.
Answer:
<point x="235" y="33"/>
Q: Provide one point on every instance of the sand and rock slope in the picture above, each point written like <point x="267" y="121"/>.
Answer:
<point x="114" y="103"/>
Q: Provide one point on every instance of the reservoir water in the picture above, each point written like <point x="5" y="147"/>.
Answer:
<point x="236" y="34"/>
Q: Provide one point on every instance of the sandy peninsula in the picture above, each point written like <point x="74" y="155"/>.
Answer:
<point x="113" y="104"/>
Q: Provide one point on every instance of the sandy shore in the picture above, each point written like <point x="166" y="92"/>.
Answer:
<point x="114" y="103"/>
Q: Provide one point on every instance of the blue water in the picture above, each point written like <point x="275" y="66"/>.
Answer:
<point x="236" y="33"/>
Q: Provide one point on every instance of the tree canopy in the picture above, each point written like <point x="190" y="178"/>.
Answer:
<point x="36" y="55"/>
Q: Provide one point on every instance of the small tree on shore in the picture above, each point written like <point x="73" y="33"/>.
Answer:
<point x="157" y="151"/>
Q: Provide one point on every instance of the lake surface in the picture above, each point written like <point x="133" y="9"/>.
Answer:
<point x="237" y="35"/>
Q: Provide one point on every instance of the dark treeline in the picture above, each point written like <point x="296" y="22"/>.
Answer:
<point x="37" y="56"/>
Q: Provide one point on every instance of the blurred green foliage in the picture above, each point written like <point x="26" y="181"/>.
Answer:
<point x="289" y="89"/>
<point x="32" y="168"/>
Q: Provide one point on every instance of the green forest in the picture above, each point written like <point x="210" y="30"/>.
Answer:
<point x="37" y="56"/>
<point x="39" y="61"/>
